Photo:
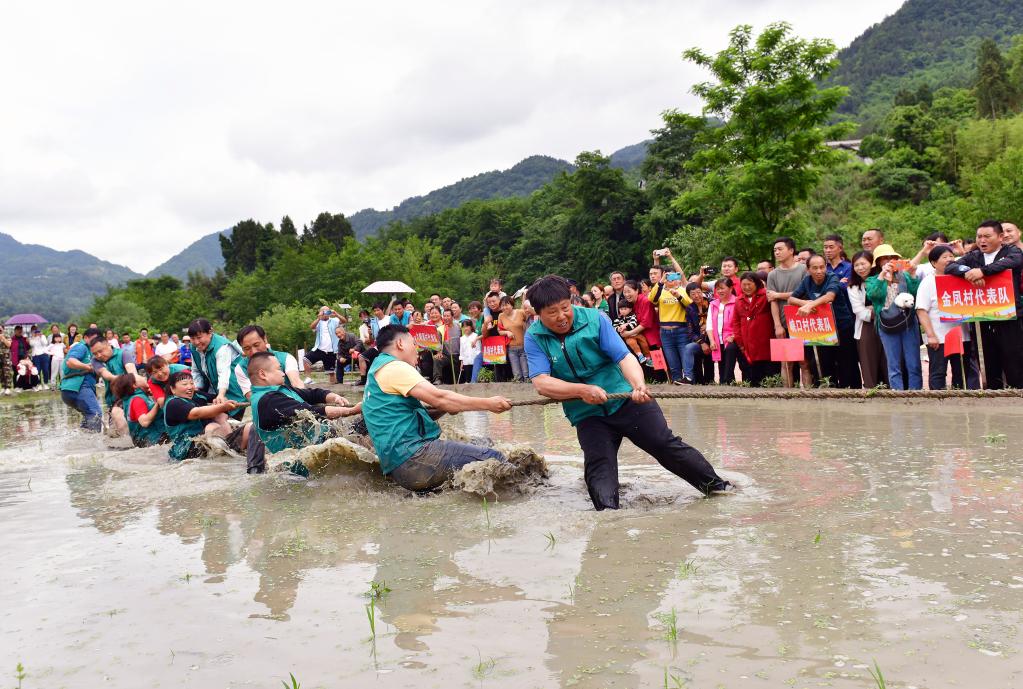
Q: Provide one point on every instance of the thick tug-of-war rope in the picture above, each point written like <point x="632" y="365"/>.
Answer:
<point x="798" y="393"/>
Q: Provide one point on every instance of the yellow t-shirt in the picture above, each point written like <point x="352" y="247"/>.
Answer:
<point x="397" y="378"/>
<point x="671" y="310"/>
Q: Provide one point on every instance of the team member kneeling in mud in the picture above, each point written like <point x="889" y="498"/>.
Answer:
<point x="145" y="422"/>
<point x="285" y="417"/>
<point x="404" y="434"/>
<point x="188" y="416"/>
<point x="576" y="356"/>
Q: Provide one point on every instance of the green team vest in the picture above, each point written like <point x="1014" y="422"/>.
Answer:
<point x="71" y="379"/>
<point x="115" y="364"/>
<point x="297" y="435"/>
<point x="182" y="434"/>
<point x="398" y="425"/>
<point x="142" y="435"/>
<point x="174" y="368"/>
<point x="579" y="359"/>
<point x="243" y="361"/>
<point x="206" y="362"/>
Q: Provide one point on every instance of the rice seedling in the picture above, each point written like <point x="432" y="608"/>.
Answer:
<point x="687" y="569"/>
<point x="670" y="622"/>
<point x="486" y="512"/>
<point x="551" y="540"/>
<point x="294" y="682"/>
<point x="817" y="538"/>
<point x="484" y="667"/>
<point x="995" y="438"/>
<point x="571" y="592"/>
<point x="875" y="673"/>
<point x="377" y="590"/>
<point x="371" y="615"/>
<point x="186" y="577"/>
<point x="673" y="681"/>
<point x="20" y="674"/>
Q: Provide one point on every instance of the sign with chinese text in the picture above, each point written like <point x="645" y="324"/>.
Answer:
<point x="959" y="301"/>
<point x="816" y="330"/>
<point x="426" y="336"/>
<point x="495" y="350"/>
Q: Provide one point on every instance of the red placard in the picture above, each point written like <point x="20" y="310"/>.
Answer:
<point x="426" y="336"/>
<point x="495" y="350"/>
<point x="959" y="301"/>
<point x="954" y="342"/>
<point x="817" y="330"/>
<point x="786" y="350"/>
<point x="658" y="358"/>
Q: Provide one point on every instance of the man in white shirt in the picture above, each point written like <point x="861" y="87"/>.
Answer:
<point x="935" y="331"/>
<point x="167" y="349"/>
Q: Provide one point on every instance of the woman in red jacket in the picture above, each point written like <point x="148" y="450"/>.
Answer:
<point x="753" y="327"/>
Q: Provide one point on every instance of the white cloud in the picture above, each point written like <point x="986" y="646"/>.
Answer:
<point x="130" y="130"/>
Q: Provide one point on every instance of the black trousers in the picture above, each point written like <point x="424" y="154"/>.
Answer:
<point x="643" y="424"/>
<point x="731" y="356"/>
<point x="1003" y="346"/>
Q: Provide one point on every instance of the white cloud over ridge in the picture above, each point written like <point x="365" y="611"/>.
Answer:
<point x="131" y="130"/>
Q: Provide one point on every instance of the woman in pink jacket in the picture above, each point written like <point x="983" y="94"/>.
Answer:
<point x="720" y="331"/>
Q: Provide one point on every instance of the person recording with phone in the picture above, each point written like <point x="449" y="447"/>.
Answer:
<point x="671" y="302"/>
<point x="325" y="348"/>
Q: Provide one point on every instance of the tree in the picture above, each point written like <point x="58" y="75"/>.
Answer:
<point x="250" y="245"/>
<point x="330" y="227"/>
<point x="120" y="314"/>
<point x="770" y="151"/>
<point x="995" y="95"/>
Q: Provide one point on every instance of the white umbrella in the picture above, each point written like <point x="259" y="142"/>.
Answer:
<point x="388" y="287"/>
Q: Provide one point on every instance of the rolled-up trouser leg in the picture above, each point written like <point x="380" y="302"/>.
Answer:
<point x="600" y="439"/>
<point x="436" y="461"/>
<point x="645" y="426"/>
<point x="255" y="454"/>
<point x="86" y="402"/>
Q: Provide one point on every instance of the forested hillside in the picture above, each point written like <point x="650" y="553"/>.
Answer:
<point x="202" y="255"/>
<point x="521" y="179"/>
<point x="56" y="284"/>
<point x="926" y="42"/>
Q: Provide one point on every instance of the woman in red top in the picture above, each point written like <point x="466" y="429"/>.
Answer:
<point x="645" y="313"/>
<point x="753" y="327"/>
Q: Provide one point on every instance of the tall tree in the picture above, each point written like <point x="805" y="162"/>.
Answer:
<point x="770" y="151"/>
<point x="331" y="227"/>
<point x="250" y="245"/>
<point x="995" y="95"/>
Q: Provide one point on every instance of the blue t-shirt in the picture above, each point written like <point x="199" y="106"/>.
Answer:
<point x="843" y="272"/>
<point x="81" y="352"/>
<point x="611" y="343"/>
<point x="811" y="291"/>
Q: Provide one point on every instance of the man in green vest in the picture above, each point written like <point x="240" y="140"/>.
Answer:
<point x="286" y="417"/>
<point x="405" y="436"/>
<point x="252" y="340"/>
<point x="212" y="370"/>
<point x="575" y="356"/>
<point x="111" y="363"/>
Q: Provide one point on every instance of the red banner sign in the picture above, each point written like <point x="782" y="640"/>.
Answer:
<point x="495" y="350"/>
<point x="959" y="301"/>
<point x="817" y="329"/>
<point x="426" y="336"/>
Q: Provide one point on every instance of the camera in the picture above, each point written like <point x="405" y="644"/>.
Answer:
<point x="708" y="270"/>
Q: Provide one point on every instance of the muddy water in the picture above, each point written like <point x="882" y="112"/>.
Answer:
<point x="863" y="532"/>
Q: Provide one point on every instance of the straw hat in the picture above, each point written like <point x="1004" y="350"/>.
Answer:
<point x="885" y="251"/>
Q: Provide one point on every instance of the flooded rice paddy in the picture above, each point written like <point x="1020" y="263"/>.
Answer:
<point x="878" y="532"/>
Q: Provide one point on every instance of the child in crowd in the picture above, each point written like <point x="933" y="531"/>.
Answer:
<point x="56" y="351"/>
<point x="627" y="322"/>
<point x="27" y="376"/>
<point x="468" y="348"/>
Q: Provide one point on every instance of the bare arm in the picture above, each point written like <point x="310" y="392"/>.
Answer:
<point x="557" y="389"/>
<point x="452" y="402"/>
<point x="925" y="321"/>
<point x="211" y="410"/>
<point x="147" y="419"/>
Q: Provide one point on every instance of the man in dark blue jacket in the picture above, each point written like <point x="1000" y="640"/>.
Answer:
<point x="1002" y="340"/>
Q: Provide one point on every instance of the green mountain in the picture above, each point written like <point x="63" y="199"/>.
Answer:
<point x="57" y="285"/>
<point x="521" y="179"/>
<point x="202" y="255"/>
<point x="931" y="42"/>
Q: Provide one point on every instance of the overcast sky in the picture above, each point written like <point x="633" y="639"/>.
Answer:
<point x="129" y="130"/>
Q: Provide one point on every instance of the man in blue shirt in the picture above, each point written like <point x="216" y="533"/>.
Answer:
<point x="78" y="383"/>
<point x="842" y="363"/>
<point x="837" y="265"/>
<point x="576" y="356"/>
